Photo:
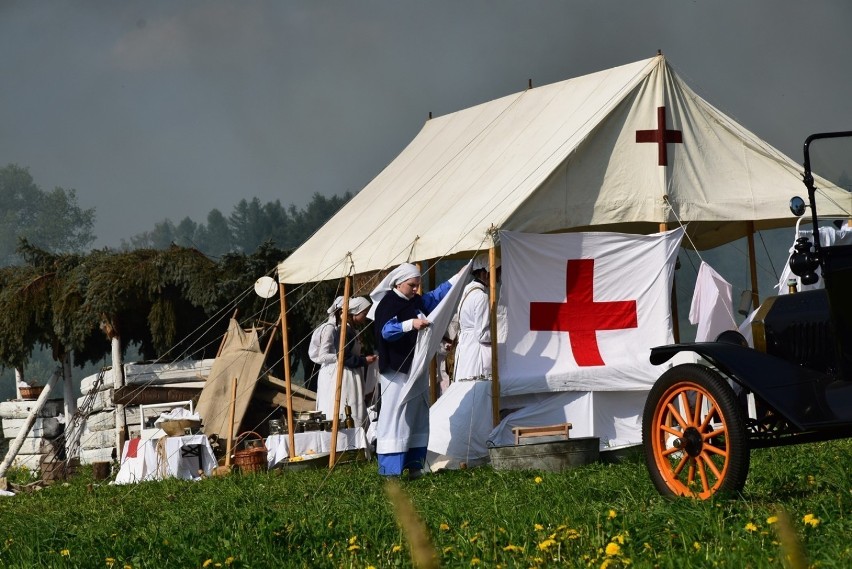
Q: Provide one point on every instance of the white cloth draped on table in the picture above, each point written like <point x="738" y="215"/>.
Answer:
<point x="313" y="442"/>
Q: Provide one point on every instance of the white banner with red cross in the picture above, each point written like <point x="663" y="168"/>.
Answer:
<point x="583" y="310"/>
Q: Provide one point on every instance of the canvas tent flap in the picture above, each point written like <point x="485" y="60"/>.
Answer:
<point x="240" y="357"/>
<point x="629" y="147"/>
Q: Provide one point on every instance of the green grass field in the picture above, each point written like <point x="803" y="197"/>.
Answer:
<point x="595" y="516"/>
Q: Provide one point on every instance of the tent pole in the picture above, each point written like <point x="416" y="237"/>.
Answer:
<point x="752" y="267"/>
<point x="433" y="365"/>
<point x="341" y="347"/>
<point x="288" y="391"/>
<point x="675" y="318"/>
<point x="492" y="307"/>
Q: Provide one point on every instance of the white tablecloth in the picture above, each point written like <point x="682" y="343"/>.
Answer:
<point x="313" y="442"/>
<point x="178" y="457"/>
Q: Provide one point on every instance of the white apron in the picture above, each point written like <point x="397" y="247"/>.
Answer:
<point x="351" y="393"/>
<point x="403" y="421"/>
<point x="473" y="352"/>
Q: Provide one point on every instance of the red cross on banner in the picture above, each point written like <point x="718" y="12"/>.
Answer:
<point x="661" y="136"/>
<point x="580" y="315"/>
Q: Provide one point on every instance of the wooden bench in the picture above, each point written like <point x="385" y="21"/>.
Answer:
<point x="560" y="430"/>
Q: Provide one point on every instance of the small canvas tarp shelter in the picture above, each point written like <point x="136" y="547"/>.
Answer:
<point x="630" y="149"/>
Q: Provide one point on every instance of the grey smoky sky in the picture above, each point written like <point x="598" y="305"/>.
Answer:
<point x="167" y="109"/>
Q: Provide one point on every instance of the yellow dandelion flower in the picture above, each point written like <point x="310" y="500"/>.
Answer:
<point x="396" y="549"/>
<point x="811" y="479"/>
<point x="354" y="547"/>
<point x="619" y="538"/>
<point x="501" y="530"/>
<point x="371" y="567"/>
<point x="217" y="565"/>
<point x="539" y="479"/>
<point x="110" y="561"/>
<point x="65" y="553"/>
<point x="772" y="519"/>
<point x="546" y="544"/>
<point x="353" y="539"/>
<point x="444" y="527"/>
<point x="811" y="520"/>
<point x="513" y="548"/>
<point x="612" y="514"/>
<point x="128" y="566"/>
<point x="572" y="534"/>
<point x="474" y="538"/>
<point x="207" y="563"/>
<point x="230" y="560"/>
<point x="475" y="561"/>
<point x="606" y="563"/>
<point x="696" y="546"/>
<point x="330" y="525"/>
<point x="750" y="527"/>
<point x="447" y="549"/>
<point x="613" y="549"/>
<point x="464" y="524"/>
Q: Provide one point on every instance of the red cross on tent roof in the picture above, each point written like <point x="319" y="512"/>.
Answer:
<point x="661" y="136"/>
<point x="580" y="315"/>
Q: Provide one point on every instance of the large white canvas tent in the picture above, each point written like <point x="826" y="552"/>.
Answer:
<point x="624" y="149"/>
<point x="630" y="149"/>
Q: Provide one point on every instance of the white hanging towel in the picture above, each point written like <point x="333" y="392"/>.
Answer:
<point x="712" y="308"/>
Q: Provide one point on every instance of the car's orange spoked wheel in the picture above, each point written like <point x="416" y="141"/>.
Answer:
<point x="694" y="434"/>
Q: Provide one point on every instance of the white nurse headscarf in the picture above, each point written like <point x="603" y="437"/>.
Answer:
<point x="402" y="273"/>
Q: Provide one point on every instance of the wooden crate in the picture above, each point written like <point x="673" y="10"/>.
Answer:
<point x="552" y="432"/>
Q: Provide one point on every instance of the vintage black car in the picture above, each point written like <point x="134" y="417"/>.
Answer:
<point x="696" y="431"/>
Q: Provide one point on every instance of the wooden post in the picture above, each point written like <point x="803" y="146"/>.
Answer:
<point x="72" y="433"/>
<point x="288" y="390"/>
<point x="111" y="330"/>
<point x="16" y="445"/>
<point x="341" y="347"/>
<point x="433" y="365"/>
<point x="492" y="307"/>
<point x="231" y="414"/>
<point x="752" y="266"/>
<point x="19" y="377"/>
<point x="675" y="312"/>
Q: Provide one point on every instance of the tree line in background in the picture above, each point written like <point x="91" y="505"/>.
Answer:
<point x="155" y="290"/>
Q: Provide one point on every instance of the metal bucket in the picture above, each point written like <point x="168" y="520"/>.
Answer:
<point x="554" y="456"/>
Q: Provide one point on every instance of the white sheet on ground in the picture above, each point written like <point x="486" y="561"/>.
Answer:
<point x="460" y="422"/>
<point x="613" y="416"/>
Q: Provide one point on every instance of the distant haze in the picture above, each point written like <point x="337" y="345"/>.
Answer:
<point x="167" y="109"/>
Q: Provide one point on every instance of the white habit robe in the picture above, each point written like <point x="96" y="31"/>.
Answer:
<point x="352" y="386"/>
<point x="473" y="352"/>
<point x="404" y="417"/>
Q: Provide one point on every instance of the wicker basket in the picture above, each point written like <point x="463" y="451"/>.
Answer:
<point x="252" y="456"/>
<point x="31" y="391"/>
<point x="178" y="427"/>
